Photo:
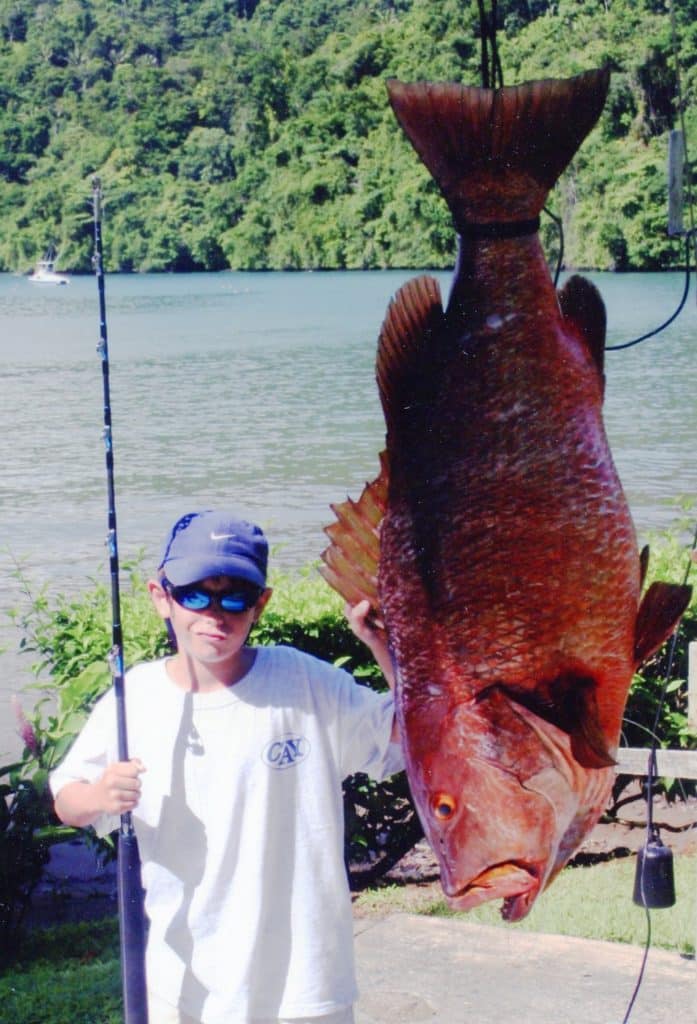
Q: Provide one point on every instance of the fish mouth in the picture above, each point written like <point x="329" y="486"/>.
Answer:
<point x="517" y="884"/>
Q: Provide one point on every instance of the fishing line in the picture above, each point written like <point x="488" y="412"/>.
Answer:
<point x="660" y="891"/>
<point x="651" y="831"/>
<point x="640" y="977"/>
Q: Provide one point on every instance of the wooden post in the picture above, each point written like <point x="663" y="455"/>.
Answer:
<point x="692" y="685"/>
<point x="670" y="764"/>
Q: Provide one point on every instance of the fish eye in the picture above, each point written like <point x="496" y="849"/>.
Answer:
<point x="443" y="806"/>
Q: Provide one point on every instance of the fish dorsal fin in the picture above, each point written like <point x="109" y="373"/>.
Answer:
<point x="659" y="613"/>
<point x="351" y="561"/>
<point x="582" y="306"/>
<point x="495" y="153"/>
<point x="406" y="346"/>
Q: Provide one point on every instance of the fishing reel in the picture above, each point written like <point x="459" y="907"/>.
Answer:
<point x="654" y="882"/>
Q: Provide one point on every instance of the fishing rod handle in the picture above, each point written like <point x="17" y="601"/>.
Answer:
<point x="132" y="930"/>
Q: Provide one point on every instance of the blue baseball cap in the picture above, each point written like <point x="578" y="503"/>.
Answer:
<point x="210" y="543"/>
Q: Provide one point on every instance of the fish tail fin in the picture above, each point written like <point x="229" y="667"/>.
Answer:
<point x="351" y="560"/>
<point x="496" y="153"/>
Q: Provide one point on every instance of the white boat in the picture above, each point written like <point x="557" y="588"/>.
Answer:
<point x="44" y="272"/>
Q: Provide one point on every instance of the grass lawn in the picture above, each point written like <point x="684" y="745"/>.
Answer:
<point x="588" y="902"/>
<point x="65" y="975"/>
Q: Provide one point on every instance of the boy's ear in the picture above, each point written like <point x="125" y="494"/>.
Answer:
<point x="159" y="598"/>
<point x="262" y="602"/>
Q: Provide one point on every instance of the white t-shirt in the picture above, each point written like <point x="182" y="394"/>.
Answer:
<point x="240" y="829"/>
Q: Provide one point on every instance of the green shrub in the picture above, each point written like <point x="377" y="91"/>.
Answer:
<point x="669" y="561"/>
<point x="26" y="833"/>
<point x="657" y="703"/>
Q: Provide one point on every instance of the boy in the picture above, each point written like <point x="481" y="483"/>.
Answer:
<point x="235" y="787"/>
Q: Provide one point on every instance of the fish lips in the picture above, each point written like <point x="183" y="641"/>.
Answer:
<point x="517" y="885"/>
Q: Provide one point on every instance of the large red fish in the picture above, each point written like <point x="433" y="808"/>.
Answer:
<point x="509" y="577"/>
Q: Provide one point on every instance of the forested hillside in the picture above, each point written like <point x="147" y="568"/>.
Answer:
<point x="257" y="133"/>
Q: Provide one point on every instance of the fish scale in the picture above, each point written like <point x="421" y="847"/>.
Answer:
<point x="505" y="565"/>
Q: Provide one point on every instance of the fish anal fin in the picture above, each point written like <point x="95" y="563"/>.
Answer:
<point x="405" y="347"/>
<point x="351" y="561"/>
<point x="643" y="564"/>
<point x="582" y="306"/>
<point x="659" y="613"/>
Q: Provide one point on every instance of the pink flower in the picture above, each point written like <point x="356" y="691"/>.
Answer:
<point x="25" y="729"/>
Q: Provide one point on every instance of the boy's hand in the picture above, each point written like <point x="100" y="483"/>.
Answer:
<point x="372" y="634"/>
<point x="116" y="792"/>
<point x="119" y="787"/>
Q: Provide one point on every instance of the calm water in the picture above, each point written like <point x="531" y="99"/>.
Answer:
<point x="257" y="391"/>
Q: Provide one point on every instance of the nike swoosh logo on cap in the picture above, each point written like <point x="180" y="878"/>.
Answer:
<point x="223" y="536"/>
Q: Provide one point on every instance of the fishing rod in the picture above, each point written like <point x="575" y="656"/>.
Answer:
<point x="130" y="889"/>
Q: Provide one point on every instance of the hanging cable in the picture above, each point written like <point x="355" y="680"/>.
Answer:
<point x="490" y="62"/>
<point x="560" y="232"/>
<point x="691" y="233"/>
<point x="628" y="344"/>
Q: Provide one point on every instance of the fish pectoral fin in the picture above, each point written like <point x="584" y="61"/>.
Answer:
<point x="582" y="306"/>
<point x="589" y="744"/>
<point x="577" y="714"/>
<point x="659" y="613"/>
<point x="569" y="703"/>
<point x="405" y="349"/>
<point x="351" y="560"/>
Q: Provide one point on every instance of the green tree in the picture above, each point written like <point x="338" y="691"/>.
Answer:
<point x="260" y="129"/>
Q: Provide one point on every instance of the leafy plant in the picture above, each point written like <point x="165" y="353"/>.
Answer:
<point x="71" y="639"/>
<point x="657" y="707"/>
<point x="27" y="831"/>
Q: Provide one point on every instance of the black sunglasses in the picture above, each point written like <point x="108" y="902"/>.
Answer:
<point x="195" y="598"/>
